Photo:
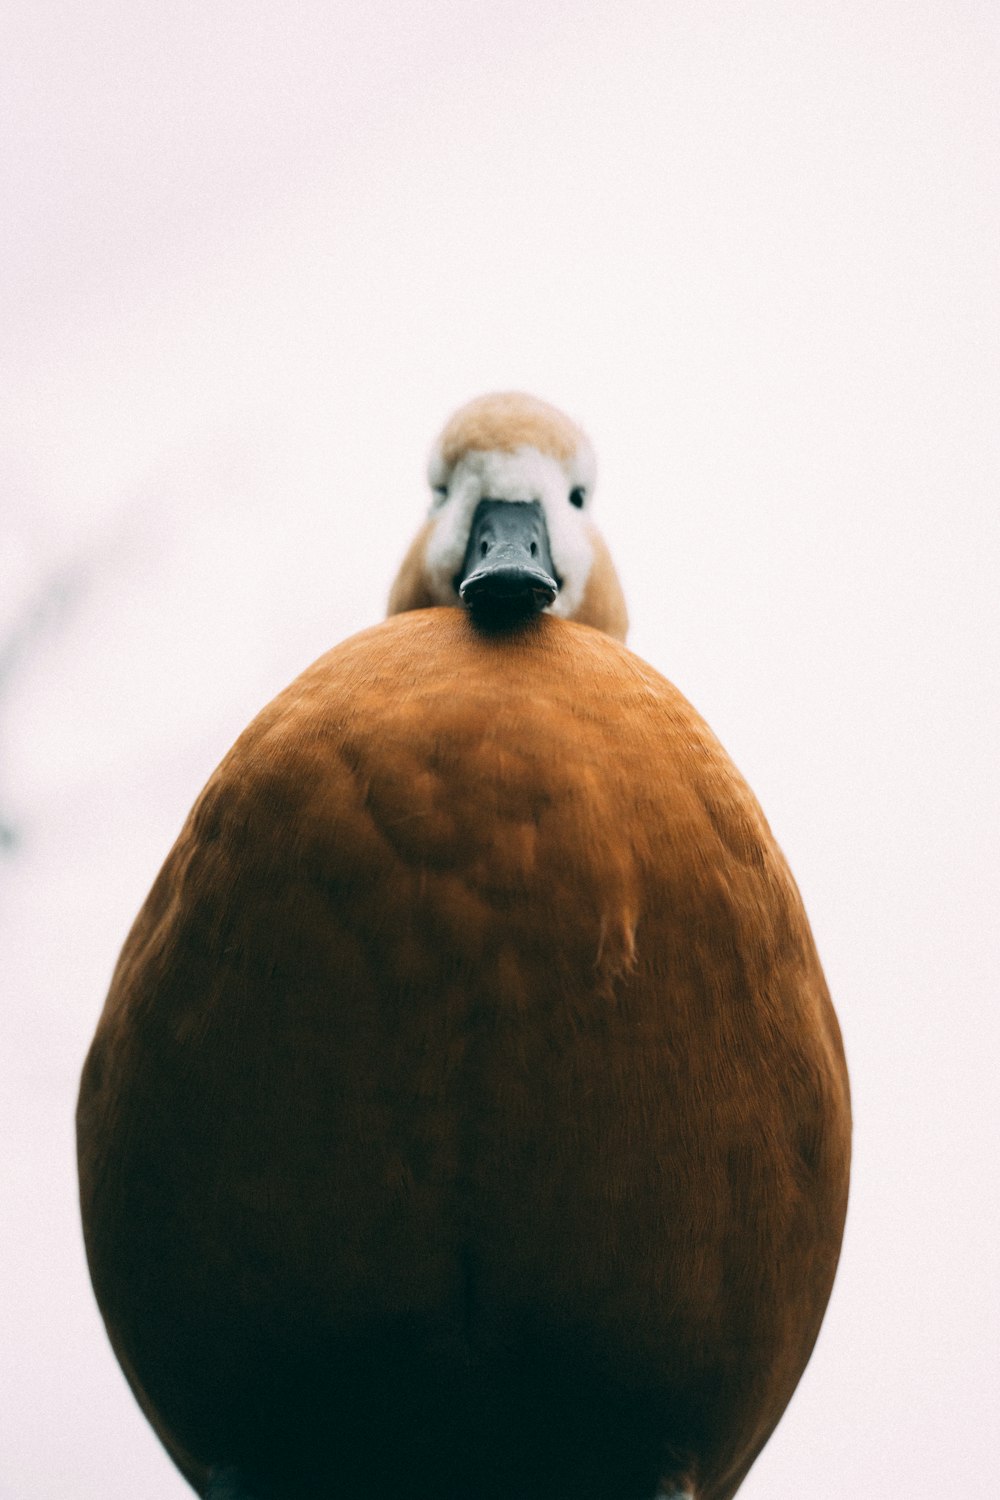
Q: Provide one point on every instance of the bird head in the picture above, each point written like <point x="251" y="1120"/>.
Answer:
<point x="509" y="533"/>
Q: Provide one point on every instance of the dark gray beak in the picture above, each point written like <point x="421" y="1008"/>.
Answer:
<point x="507" y="574"/>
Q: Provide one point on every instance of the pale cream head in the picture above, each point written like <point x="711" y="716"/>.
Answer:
<point x="511" y="446"/>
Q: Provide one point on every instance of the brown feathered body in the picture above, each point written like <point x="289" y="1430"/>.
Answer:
<point x="468" y="1116"/>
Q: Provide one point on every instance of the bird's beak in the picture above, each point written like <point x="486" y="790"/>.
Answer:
<point x="507" y="574"/>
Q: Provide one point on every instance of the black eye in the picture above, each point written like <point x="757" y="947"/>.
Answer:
<point x="576" y="497"/>
<point x="440" y="493"/>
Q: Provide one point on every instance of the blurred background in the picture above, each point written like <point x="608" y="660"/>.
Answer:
<point x="252" y="256"/>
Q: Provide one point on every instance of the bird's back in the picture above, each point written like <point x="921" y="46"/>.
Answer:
<point x="468" y="1115"/>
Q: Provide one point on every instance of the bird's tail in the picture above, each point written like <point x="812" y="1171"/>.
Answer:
<point x="229" y="1484"/>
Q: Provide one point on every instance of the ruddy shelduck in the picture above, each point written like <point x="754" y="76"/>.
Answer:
<point x="468" y="1118"/>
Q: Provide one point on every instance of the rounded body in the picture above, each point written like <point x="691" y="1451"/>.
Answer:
<point x="468" y="1115"/>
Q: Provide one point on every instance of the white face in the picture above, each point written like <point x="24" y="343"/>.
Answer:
<point x="525" y="474"/>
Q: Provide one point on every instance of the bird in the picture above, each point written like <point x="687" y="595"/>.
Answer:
<point x="468" y="1117"/>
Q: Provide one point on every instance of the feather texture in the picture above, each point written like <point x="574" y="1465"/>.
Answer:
<point x="468" y="1115"/>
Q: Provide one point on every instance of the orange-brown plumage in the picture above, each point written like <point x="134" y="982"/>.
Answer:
<point x="468" y="1115"/>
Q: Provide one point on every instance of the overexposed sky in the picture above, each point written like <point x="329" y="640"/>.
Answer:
<point x="251" y="258"/>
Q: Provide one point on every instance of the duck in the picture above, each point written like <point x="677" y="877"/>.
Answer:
<point x="468" y="1115"/>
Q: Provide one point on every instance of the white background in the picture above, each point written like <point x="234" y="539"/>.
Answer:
<point x="252" y="256"/>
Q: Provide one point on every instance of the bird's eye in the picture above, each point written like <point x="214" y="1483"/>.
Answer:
<point x="440" y="494"/>
<point x="577" y="496"/>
